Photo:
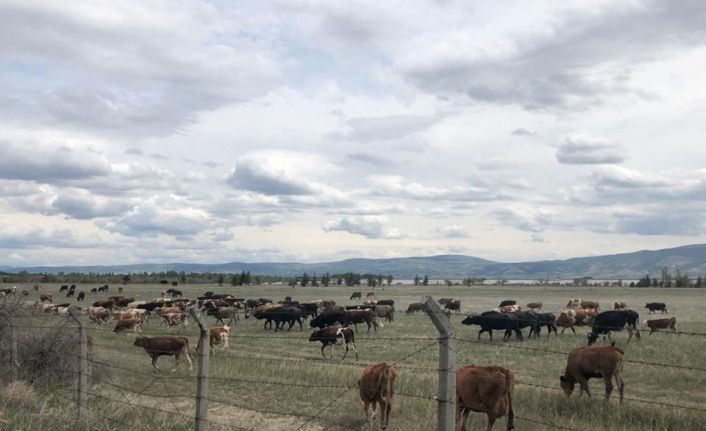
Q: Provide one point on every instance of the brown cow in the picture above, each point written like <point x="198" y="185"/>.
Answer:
<point x="571" y="318"/>
<point x="574" y="303"/>
<point x="125" y="324"/>
<point x="593" y="361"/>
<point x="385" y="311"/>
<point x="45" y="298"/>
<point x="361" y="316"/>
<point x="535" y="306"/>
<point x="166" y="345"/>
<point x="414" y="307"/>
<point x="484" y="389"/>
<point x="99" y="315"/>
<point x="376" y="386"/>
<point x="619" y="305"/>
<point x="657" y="324"/>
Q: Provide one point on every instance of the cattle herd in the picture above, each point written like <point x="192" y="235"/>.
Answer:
<point x="481" y="389"/>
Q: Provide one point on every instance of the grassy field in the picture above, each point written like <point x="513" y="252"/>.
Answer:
<point x="242" y="394"/>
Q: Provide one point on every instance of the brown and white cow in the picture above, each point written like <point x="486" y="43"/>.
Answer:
<point x="335" y="335"/>
<point x="98" y="315"/>
<point x="484" y="389"/>
<point x="571" y="318"/>
<point x="217" y="336"/>
<point x="590" y="305"/>
<point x="176" y="320"/>
<point x="377" y="387"/>
<point x="508" y="309"/>
<point x="619" y="305"/>
<point x="166" y="345"/>
<point x="593" y="361"/>
<point x="574" y="304"/>
<point x="126" y="324"/>
<point x="657" y="324"/>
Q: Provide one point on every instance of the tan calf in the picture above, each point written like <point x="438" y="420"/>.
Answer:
<point x="484" y="389"/>
<point x="657" y="324"/>
<point x="593" y="361"/>
<point x="377" y="388"/>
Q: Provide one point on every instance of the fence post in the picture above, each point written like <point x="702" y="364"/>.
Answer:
<point x="14" y="362"/>
<point x="82" y="364"/>
<point x="446" y="396"/>
<point x="201" y="419"/>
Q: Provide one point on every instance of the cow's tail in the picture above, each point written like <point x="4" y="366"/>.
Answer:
<point x="188" y="352"/>
<point x="510" y="384"/>
<point x="386" y="383"/>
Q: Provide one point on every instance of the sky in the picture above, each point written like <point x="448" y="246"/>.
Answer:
<point x="196" y="131"/>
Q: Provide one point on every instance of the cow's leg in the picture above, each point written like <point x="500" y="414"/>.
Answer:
<point x="619" y="381"/>
<point x="301" y="328"/>
<point x="323" y="346"/>
<point x="154" y="362"/>
<point x="355" y="349"/>
<point x="629" y="334"/>
<point x="367" y="322"/>
<point x="583" y="384"/>
<point x="369" y="412"/>
<point x="608" y="385"/>
<point x="491" y="421"/>
<point x="518" y="333"/>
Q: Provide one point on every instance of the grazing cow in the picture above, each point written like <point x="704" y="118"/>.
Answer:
<point x="216" y="336"/>
<point x="163" y="281"/>
<point x="535" y="306"/>
<point x="105" y="304"/>
<point x="120" y="290"/>
<point x="454" y="306"/>
<point x="361" y="316"/>
<point x="590" y="305"/>
<point x="593" y="361"/>
<point x="444" y="301"/>
<point x="614" y="320"/>
<point x="656" y="306"/>
<point x="63" y="287"/>
<point x="619" y="305"/>
<point x="385" y="311"/>
<point x="414" y="307"/>
<point x="309" y="309"/>
<point x="574" y="304"/>
<point x="356" y="295"/>
<point x="70" y="293"/>
<point x="94" y="290"/>
<point x="507" y="302"/>
<point x="328" y="318"/>
<point x="545" y="319"/>
<point x="81" y="296"/>
<point x="167" y="345"/>
<point x="484" y="389"/>
<point x="370" y="294"/>
<point x="389" y="302"/>
<point x="335" y="335"/>
<point x="657" y="324"/>
<point x="377" y="387"/>
<point x="36" y="288"/>
<point x="175" y="283"/>
<point x="508" y="309"/>
<point x="45" y="298"/>
<point x="121" y="301"/>
<point x="125" y="324"/>
<point x="493" y="320"/>
<point x="259" y="313"/>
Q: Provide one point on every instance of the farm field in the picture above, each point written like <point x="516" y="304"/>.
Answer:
<point x="277" y="381"/>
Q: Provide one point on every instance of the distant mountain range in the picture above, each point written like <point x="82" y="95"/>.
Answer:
<point x="689" y="259"/>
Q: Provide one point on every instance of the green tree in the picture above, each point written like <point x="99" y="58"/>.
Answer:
<point x="305" y="279"/>
<point x="221" y="279"/>
<point x="699" y="282"/>
<point x="234" y="280"/>
<point x="416" y="280"/>
<point x="389" y="280"/>
<point x="426" y="280"/>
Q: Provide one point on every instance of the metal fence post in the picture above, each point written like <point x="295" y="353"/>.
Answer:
<point x="82" y="364"/>
<point x="446" y="396"/>
<point x="14" y="362"/>
<point x="201" y="419"/>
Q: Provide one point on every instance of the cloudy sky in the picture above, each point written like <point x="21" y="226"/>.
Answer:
<point x="154" y="131"/>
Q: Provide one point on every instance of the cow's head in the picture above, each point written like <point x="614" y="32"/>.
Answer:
<point x="471" y="320"/>
<point x="138" y="341"/>
<point x="314" y="336"/>
<point x="592" y="338"/>
<point x="567" y="384"/>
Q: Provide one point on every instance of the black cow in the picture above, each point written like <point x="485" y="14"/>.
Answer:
<point x="328" y="318"/>
<point x="527" y="319"/>
<point x="656" y="306"/>
<point x="264" y="301"/>
<point x="614" y="320"/>
<point x="70" y="293"/>
<point x="545" y="319"/>
<point x="175" y="283"/>
<point x="389" y="302"/>
<point x="63" y="287"/>
<point x="507" y="302"/>
<point x="150" y="306"/>
<point x="81" y="296"/>
<point x="282" y="315"/>
<point x="73" y="286"/>
<point x="251" y="303"/>
<point x="493" y="320"/>
<point x="309" y="310"/>
<point x="453" y="306"/>
<point x="355" y="295"/>
<point x="94" y="290"/>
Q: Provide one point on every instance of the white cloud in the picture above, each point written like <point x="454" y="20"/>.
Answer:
<point x="154" y="217"/>
<point x="42" y="162"/>
<point x="450" y="231"/>
<point x="373" y="227"/>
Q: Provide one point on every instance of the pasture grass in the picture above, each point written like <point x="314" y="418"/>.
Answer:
<point x="241" y="393"/>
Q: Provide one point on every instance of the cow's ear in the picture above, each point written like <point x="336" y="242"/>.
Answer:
<point x="562" y="378"/>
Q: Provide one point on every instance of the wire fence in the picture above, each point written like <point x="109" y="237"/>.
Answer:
<point x="173" y="395"/>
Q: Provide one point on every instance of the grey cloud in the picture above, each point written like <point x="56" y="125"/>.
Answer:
<point x="211" y="165"/>
<point x="137" y="79"/>
<point x="450" y="231"/>
<point x="134" y="151"/>
<point x="554" y="69"/>
<point x="82" y="205"/>
<point x="531" y="221"/>
<point x="586" y="150"/>
<point x="13" y="237"/>
<point x="368" y="158"/>
<point x="680" y="223"/>
<point x="367" y="226"/>
<point x="150" y="219"/>
<point x="157" y="156"/>
<point x="522" y="132"/>
<point x="44" y="163"/>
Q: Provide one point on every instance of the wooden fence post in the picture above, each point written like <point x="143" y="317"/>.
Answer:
<point x="201" y="419"/>
<point x="446" y="396"/>
<point x="82" y="364"/>
<point x="14" y="362"/>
